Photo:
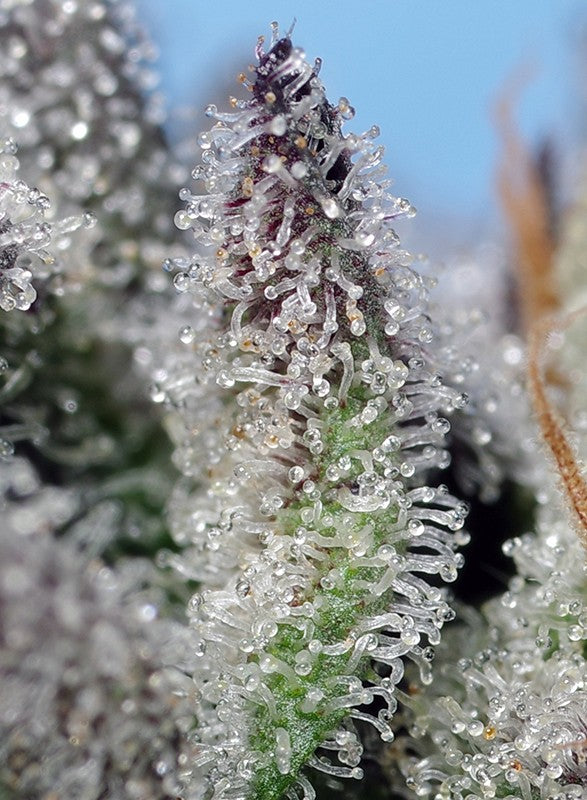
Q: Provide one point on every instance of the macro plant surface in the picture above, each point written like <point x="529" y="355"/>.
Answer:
<point x="320" y="514"/>
<point x="277" y="627"/>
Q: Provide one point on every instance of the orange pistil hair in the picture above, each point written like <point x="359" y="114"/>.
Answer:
<point x="525" y="201"/>
<point x="552" y="430"/>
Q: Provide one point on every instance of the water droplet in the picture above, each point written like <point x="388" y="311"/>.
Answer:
<point x="79" y="130"/>
<point x="299" y="170"/>
<point x="182" y="220"/>
<point x="345" y="109"/>
<point x="296" y="474"/>
<point x="330" y="208"/>
<point x="89" y="219"/>
<point x="278" y="125"/>
<point x="6" y="449"/>
<point x="181" y="282"/>
<point x="272" y="164"/>
<point x="156" y="393"/>
<point x="187" y="334"/>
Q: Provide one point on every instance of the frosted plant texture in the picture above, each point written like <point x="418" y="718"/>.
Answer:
<point x="505" y="716"/>
<point x="486" y="360"/>
<point x="236" y="422"/>
<point x="76" y="95"/>
<point x="76" y="92"/>
<point x="25" y="234"/>
<point x="88" y="707"/>
<point x="317" y="522"/>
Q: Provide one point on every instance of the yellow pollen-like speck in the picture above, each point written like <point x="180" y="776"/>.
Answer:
<point x="270" y="97"/>
<point x="255" y="150"/>
<point x="233" y="102"/>
<point x="301" y="142"/>
<point x="241" y="77"/>
<point x="247" y="187"/>
<point x="489" y="732"/>
<point x="221" y="253"/>
<point x="309" y="210"/>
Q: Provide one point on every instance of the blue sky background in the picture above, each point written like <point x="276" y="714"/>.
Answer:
<point x="427" y="72"/>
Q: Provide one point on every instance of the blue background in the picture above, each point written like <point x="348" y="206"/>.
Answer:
<point x="427" y="72"/>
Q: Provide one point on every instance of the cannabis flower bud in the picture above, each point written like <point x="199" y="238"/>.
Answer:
<point x="317" y="514"/>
